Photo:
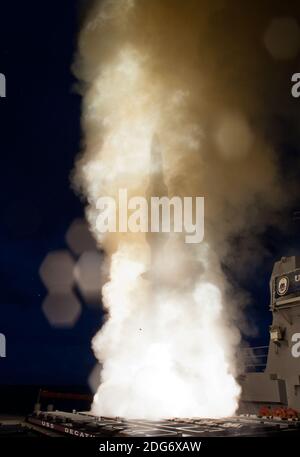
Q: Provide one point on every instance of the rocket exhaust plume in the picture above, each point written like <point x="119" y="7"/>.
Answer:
<point x="166" y="112"/>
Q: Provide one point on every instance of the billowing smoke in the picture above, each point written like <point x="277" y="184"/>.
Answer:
<point x="191" y="78"/>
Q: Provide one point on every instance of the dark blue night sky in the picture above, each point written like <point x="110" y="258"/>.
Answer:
<point x="40" y="137"/>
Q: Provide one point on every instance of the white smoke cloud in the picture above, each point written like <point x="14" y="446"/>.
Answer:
<point x="175" y="71"/>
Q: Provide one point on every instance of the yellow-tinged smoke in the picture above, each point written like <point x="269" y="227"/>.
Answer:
<point x="189" y="73"/>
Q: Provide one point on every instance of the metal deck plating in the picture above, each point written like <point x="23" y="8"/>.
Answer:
<point x="87" y="425"/>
